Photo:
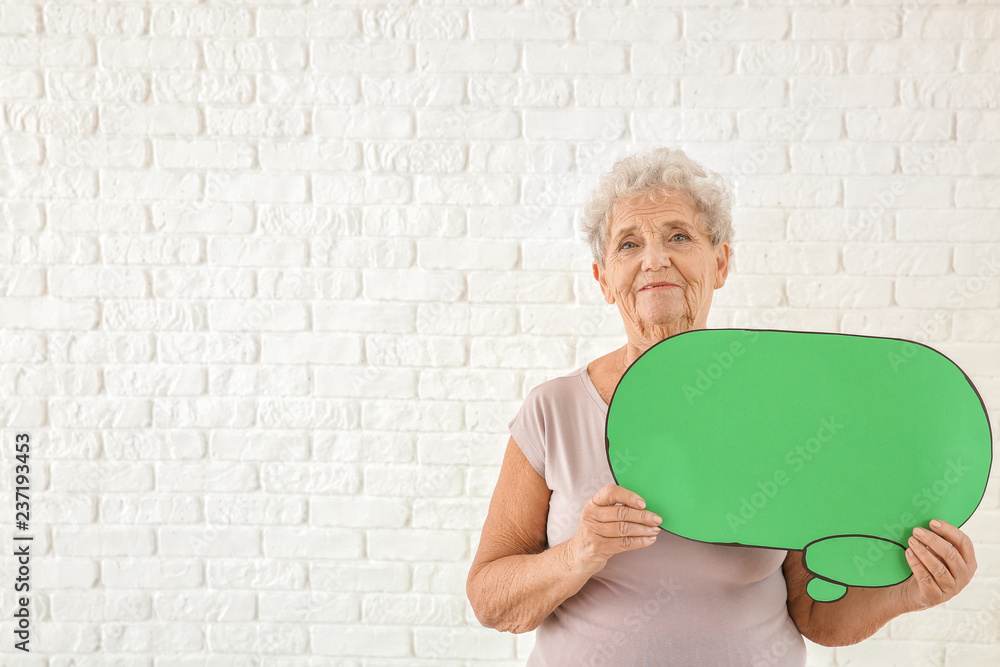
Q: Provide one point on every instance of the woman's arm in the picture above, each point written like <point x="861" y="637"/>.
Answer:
<point x="942" y="560"/>
<point x="514" y="581"/>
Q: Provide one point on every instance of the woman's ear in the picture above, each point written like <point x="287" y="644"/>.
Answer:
<point x="602" y="281"/>
<point x="722" y="265"/>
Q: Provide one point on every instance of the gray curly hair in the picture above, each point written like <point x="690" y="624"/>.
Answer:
<point x="658" y="170"/>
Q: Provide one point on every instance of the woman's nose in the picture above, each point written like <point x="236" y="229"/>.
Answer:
<point x="655" y="254"/>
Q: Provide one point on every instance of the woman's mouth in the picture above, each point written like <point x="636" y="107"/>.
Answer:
<point x="656" y="287"/>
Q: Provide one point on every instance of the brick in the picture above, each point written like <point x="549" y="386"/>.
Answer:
<point x="126" y="509"/>
<point x="848" y="160"/>
<point x="406" y="544"/>
<point x="309" y="607"/>
<point x="732" y="92"/>
<point x="412" y="610"/>
<point x="412" y="481"/>
<point x="205" y="606"/>
<point x="464" y="514"/>
<point x="209" y="541"/>
<point x="463" y="57"/>
<point x="358" y="512"/>
<point x="101" y="606"/>
<point x="367" y="641"/>
<point x="895" y="259"/>
<point x="353" y="56"/>
<point x="310" y="348"/>
<point x="804" y="191"/>
<point x="898" y="125"/>
<point x="399" y="415"/>
<point x="825" y="92"/>
<point x="259" y="54"/>
<point x="459" y="384"/>
<point x="706" y="25"/>
<point x="391" y="577"/>
<point x="919" y="325"/>
<point x="477" y="643"/>
<point x="839" y="292"/>
<point x="563" y="124"/>
<point x="255" y="510"/>
<point x="163" y="54"/>
<point x="792" y="58"/>
<point x="519" y="287"/>
<point x="155" y="573"/>
<point x="788" y="258"/>
<point x="257" y="638"/>
<point x="206" y="476"/>
<point x="832" y="24"/>
<point x="543" y="58"/>
<point x="807" y="123"/>
<point x="952" y="292"/>
<point x="949" y="24"/>
<point x="520" y="352"/>
<point x="358" y="188"/>
<point x="239" y="446"/>
<point x="522" y="24"/>
<point x="365" y="381"/>
<point x="411" y="285"/>
<point x="331" y="543"/>
<point x="19" y="20"/>
<point x="241" y="315"/>
<point x="105" y="541"/>
<point x="256" y="573"/>
<point x="896" y="191"/>
<point x="970" y="91"/>
<point x="21" y="216"/>
<point x="21" y="85"/>
<point x="416" y="24"/>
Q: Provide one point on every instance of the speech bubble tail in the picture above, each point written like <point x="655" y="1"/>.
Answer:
<point x="822" y="590"/>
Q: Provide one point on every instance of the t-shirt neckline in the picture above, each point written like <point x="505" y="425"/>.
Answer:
<point x="591" y="388"/>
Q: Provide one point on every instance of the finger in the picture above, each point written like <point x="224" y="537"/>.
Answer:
<point x="925" y="580"/>
<point x="939" y="572"/>
<point x="619" y="529"/>
<point x="957" y="538"/>
<point x="613" y="513"/>
<point x="944" y="549"/>
<point x="612" y="493"/>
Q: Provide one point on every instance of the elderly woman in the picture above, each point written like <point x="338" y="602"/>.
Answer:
<point x="568" y="552"/>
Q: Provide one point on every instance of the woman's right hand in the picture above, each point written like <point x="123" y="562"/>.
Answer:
<point x="612" y="521"/>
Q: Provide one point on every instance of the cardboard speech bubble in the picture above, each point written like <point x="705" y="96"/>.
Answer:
<point x="835" y="444"/>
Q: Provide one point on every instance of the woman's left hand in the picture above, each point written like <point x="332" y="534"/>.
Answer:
<point x="942" y="560"/>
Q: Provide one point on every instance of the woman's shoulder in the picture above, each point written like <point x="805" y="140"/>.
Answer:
<point x="561" y="386"/>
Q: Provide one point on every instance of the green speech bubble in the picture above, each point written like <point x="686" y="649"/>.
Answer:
<point x="835" y="444"/>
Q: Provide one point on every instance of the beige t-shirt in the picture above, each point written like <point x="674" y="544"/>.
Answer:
<point x="677" y="602"/>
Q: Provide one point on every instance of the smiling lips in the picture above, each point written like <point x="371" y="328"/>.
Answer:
<point x="654" y="287"/>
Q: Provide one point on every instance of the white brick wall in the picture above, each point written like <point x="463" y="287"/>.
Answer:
<point x="275" y="275"/>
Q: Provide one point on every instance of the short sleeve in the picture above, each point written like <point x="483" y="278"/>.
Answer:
<point x="528" y="430"/>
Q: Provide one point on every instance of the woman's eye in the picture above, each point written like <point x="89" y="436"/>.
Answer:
<point x="683" y="236"/>
<point x="622" y="246"/>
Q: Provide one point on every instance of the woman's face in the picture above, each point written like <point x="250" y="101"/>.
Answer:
<point x="663" y="242"/>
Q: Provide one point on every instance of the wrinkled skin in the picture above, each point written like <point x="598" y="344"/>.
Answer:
<point x="650" y="242"/>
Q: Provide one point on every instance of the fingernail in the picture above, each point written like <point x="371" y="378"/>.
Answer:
<point x="935" y="523"/>
<point x="657" y="519"/>
<point x="642" y="503"/>
<point x="918" y="531"/>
